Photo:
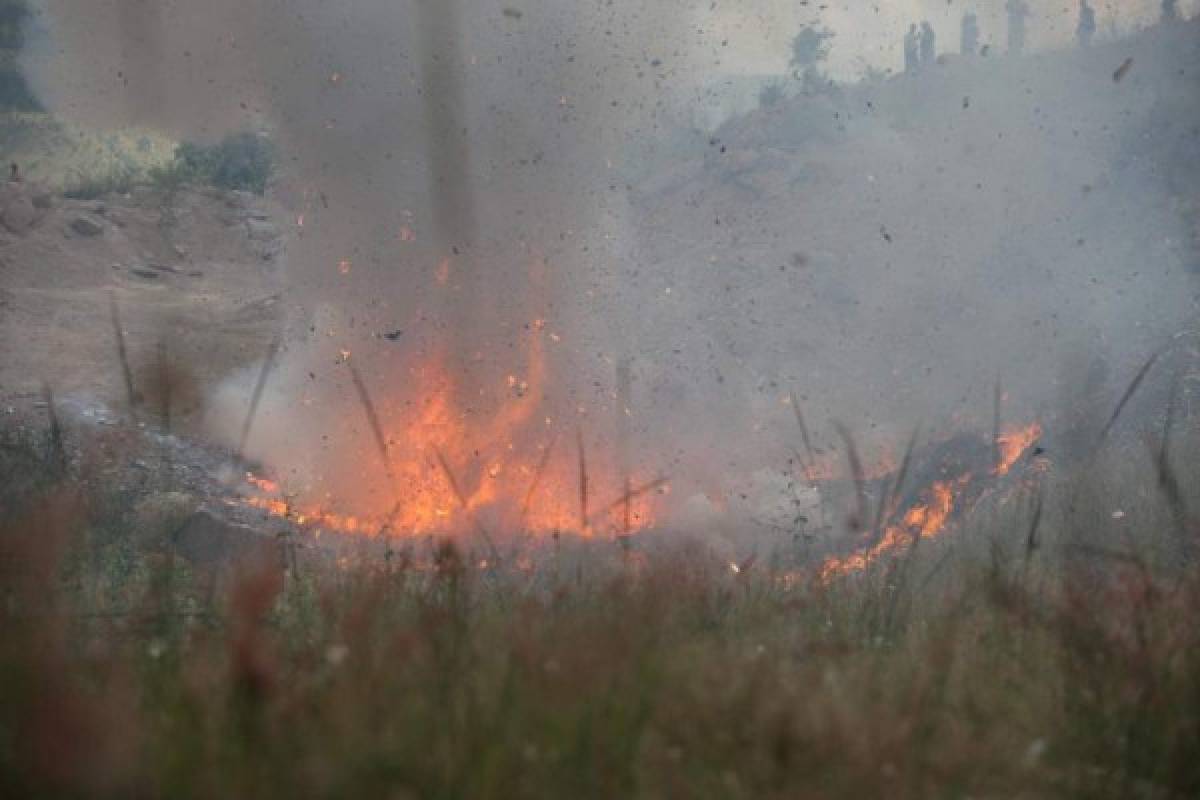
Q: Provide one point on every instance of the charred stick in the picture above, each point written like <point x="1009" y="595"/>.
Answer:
<point x="880" y="514"/>
<point x="543" y="462"/>
<point x="256" y="397"/>
<point x="808" y="445"/>
<point x="857" y="471"/>
<point x="164" y="380"/>
<point x="56" y="436"/>
<point x="997" y="398"/>
<point x="905" y="464"/>
<point x="583" y="482"/>
<point x="1129" y="392"/>
<point x="364" y="397"/>
<point x="464" y="504"/>
<point x="123" y="355"/>
<point x="634" y="492"/>
<point x="1031" y="538"/>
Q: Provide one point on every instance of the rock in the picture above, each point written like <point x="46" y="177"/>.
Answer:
<point x="261" y="230"/>
<point x="258" y="310"/>
<point x="19" y="217"/>
<point x="85" y="226"/>
<point x="17" y="212"/>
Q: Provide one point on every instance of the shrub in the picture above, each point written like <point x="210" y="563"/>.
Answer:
<point x="116" y="179"/>
<point x="241" y="161"/>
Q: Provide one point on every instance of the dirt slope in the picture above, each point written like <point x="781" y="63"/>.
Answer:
<point x="195" y="274"/>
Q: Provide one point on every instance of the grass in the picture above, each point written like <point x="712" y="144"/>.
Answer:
<point x="1001" y="662"/>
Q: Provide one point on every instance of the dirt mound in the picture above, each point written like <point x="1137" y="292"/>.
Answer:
<point x="194" y="275"/>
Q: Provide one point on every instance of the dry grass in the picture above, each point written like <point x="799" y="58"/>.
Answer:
<point x="1048" y="649"/>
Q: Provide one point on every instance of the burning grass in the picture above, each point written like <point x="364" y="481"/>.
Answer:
<point x="417" y="453"/>
<point x="1046" y="648"/>
<point x="1040" y="652"/>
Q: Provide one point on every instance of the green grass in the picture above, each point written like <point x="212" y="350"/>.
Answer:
<point x="976" y="667"/>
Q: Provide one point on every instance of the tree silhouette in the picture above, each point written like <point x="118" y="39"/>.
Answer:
<point x="809" y="48"/>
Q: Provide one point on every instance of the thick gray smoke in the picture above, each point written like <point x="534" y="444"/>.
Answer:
<point x="886" y="249"/>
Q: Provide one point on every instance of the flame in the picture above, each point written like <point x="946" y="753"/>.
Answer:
<point x="925" y="520"/>
<point x="929" y="517"/>
<point x="451" y="469"/>
<point x="1012" y="444"/>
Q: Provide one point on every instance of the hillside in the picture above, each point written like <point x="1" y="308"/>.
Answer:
<point x="889" y="249"/>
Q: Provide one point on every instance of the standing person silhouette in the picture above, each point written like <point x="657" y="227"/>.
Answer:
<point x="910" y="49"/>
<point x="1018" y="12"/>
<point x="1087" y="24"/>
<point x="928" y="44"/>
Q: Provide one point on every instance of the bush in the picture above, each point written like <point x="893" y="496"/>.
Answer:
<point x="242" y="161"/>
<point x="115" y="179"/>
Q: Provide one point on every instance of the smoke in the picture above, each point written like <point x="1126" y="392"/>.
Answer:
<point x="464" y="178"/>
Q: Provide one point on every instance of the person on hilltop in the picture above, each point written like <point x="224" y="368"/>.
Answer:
<point x="1087" y="24"/>
<point x="910" y="49"/>
<point x="1018" y="12"/>
<point x="928" y="44"/>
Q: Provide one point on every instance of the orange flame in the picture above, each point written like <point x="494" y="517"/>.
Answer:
<point x="925" y="520"/>
<point x="930" y="516"/>
<point x="450" y="470"/>
<point x="1013" y="443"/>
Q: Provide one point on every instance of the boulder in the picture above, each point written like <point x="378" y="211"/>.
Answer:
<point x="17" y="212"/>
<point x="260" y="230"/>
<point x="86" y="226"/>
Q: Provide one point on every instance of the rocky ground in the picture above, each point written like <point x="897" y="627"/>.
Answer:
<point x="195" y="276"/>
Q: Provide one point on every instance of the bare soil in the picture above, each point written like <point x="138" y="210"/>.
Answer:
<point x="195" y="275"/>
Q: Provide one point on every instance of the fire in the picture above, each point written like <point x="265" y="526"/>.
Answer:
<point x="1012" y="444"/>
<point x="931" y="514"/>
<point x="448" y="469"/>
<point x="925" y="520"/>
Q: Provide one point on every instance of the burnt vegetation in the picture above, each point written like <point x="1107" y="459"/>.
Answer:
<point x="1045" y="648"/>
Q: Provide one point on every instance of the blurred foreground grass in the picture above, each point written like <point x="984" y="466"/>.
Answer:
<point x="1002" y="662"/>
